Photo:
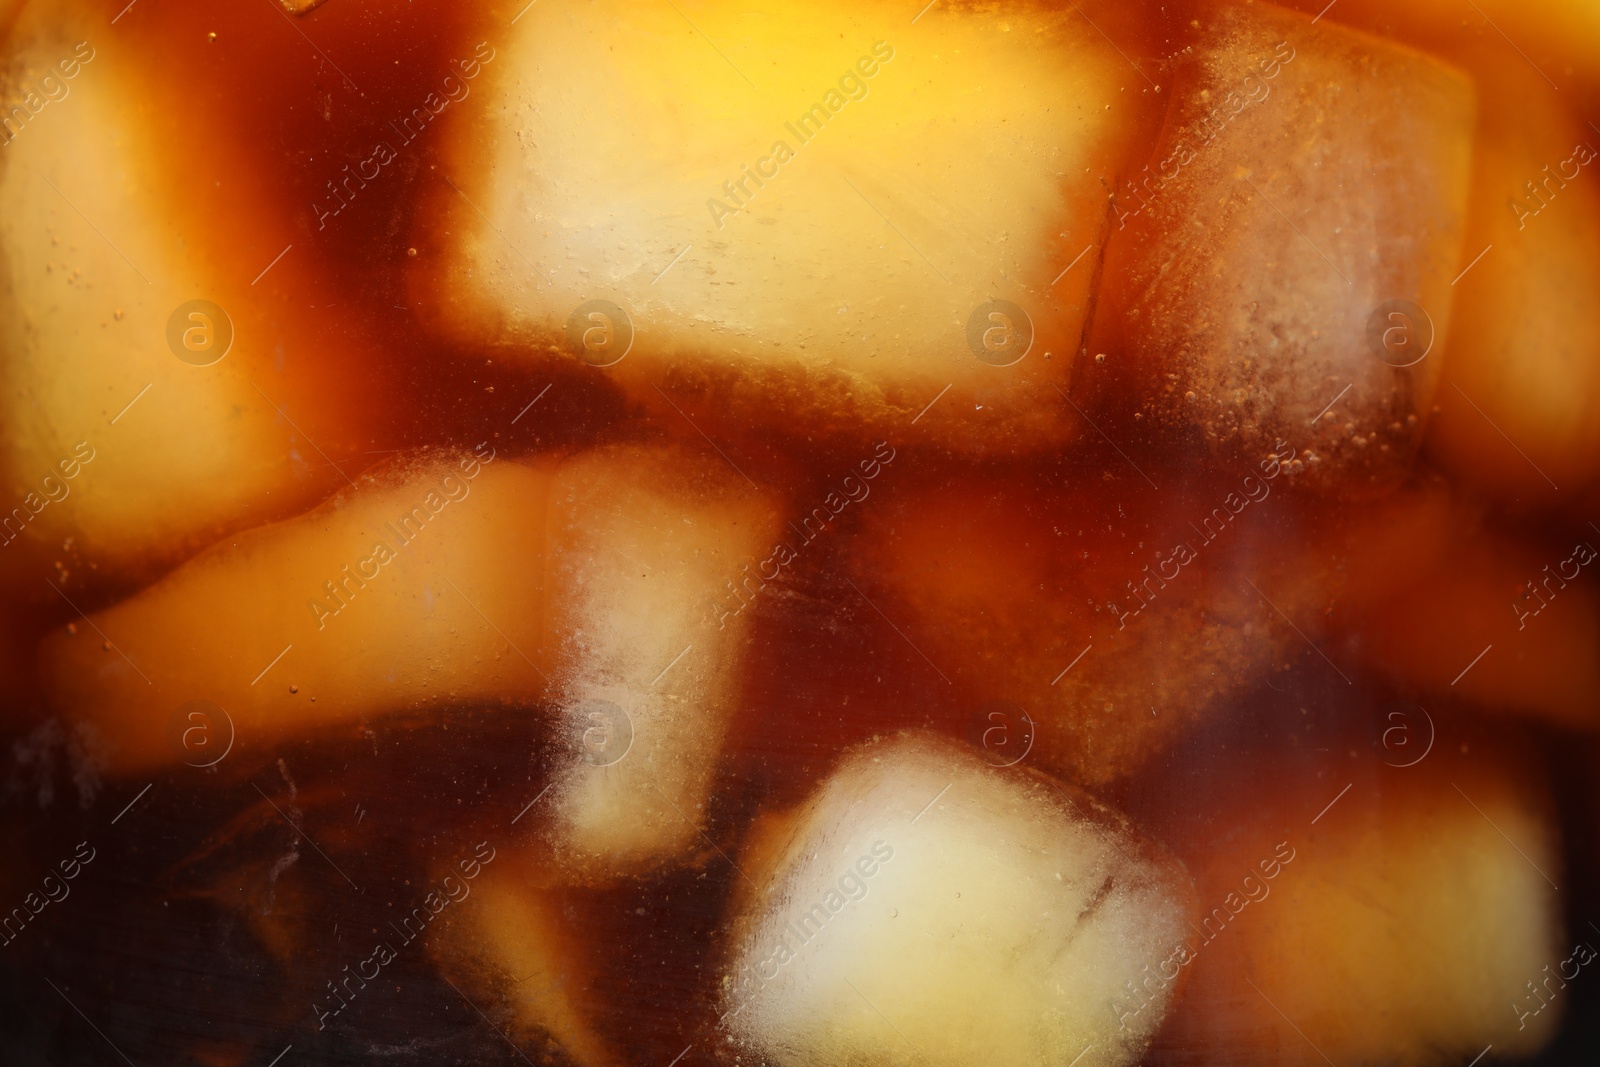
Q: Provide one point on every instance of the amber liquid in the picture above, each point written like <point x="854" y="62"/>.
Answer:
<point x="208" y="927"/>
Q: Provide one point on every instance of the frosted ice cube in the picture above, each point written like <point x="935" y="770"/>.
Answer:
<point x="810" y="209"/>
<point x="925" y="907"/>
<point x="1279" y="267"/>
<point x="646" y="670"/>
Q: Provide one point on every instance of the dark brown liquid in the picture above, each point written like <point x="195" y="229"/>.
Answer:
<point x="208" y="926"/>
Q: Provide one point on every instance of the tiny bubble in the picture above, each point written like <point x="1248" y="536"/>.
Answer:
<point x="294" y="689"/>
<point x="117" y="314"/>
<point x="211" y="38"/>
<point x="1100" y="357"/>
<point x="411" y="251"/>
<point x="72" y="627"/>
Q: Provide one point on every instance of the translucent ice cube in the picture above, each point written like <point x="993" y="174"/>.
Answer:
<point x="514" y="948"/>
<point x="1363" y="914"/>
<point x="1117" y="617"/>
<point x="792" y="208"/>
<point x="147" y="401"/>
<point x="1554" y="34"/>
<point x="1520" y="410"/>
<point x="925" y="907"/>
<point x="568" y="583"/>
<point x="1487" y="618"/>
<point x="1281" y="266"/>
<point x="411" y="590"/>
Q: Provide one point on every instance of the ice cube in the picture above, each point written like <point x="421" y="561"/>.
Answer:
<point x="1510" y="625"/>
<point x="443" y="583"/>
<point x="411" y="590"/>
<point x="1555" y="35"/>
<point x="1363" y="914"/>
<point x="1280" y="267"/>
<point x="925" y="907"/>
<point x="790" y="207"/>
<point x="1117" y="617"/>
<point x="148" y="403"/>
<point x="1520" y="410"/>
<point x="647" y="664"/>
<point x="514" y="949"/>
<point x="1423" y="588"/>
